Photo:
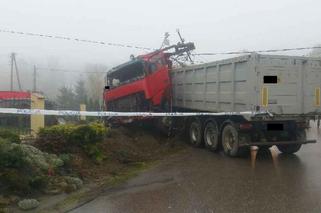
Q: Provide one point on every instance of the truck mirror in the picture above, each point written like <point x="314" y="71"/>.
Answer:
<point x="107" y="87"/>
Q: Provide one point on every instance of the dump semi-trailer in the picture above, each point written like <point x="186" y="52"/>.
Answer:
<point x="286" y="87"/>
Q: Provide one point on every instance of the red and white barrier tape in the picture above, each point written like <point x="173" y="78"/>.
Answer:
<point x="121" y="114"/>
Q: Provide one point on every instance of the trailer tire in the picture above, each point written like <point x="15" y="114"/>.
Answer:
<point x="211" y="136"/>
<point x="289" y="149"/>
<point x="293" y="148"/>
<point x="195" y="133"/>
<point x="230" y="142"/>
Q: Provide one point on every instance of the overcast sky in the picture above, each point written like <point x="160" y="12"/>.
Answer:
<point x="214" y="26"/>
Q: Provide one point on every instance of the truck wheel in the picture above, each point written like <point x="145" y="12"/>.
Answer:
<point x="230" y="142"/>
<point x="293" y="148"/>
<point x="195" y="133"/>
<point x="211" y="136"/>
<point x="164" y="125"/>
<point x="289" y="149"/>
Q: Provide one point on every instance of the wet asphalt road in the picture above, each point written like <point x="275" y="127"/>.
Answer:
<point x="197" y="180"/>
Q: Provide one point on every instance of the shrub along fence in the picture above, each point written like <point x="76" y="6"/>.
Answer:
<point x="69" y="138"/>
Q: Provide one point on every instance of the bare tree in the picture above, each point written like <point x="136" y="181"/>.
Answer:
<point x="95" y="82"/>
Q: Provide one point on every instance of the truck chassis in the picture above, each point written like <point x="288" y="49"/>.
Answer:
<point x="235" y="135"/>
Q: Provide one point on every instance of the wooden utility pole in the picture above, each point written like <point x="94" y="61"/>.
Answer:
<point x="14" y="63"/>
<point x="11" y="73"/>
<point x="17" y="72"/>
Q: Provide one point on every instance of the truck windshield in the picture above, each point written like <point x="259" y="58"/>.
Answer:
<point x="127" y="73"/>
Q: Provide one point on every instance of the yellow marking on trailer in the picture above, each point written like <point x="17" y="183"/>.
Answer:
<point x="264" y="96"/>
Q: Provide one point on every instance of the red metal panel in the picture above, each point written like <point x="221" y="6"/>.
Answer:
<point x="125" y="90"/>
<point x="7" y="95"/>
<point x="153" y="87"/>
<point x="158" y="83"/>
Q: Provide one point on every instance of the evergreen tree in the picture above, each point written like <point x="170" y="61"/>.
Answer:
<point x="80" y="93"/>
<point x="66" y="98"/>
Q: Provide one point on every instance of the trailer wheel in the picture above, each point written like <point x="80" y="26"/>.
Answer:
<point x="289" y="149"/>
<point x="230" y="142"/>
<point x="293" y="148"/>
<point x="211" y="136"/>
<point x="195" y="133"/>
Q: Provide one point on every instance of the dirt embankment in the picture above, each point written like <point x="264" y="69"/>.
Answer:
<point x="123" y="148"/>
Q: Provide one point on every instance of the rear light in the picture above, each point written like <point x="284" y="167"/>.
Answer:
<point x="245" y="126"/>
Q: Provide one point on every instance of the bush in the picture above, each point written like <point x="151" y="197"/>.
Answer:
<point x="10" y="136"/>
<point x="88" y="134"/>
<point x="67" y="138"/>
<point x="16" y="180"/>
<point x="94" y="152"/>
<point x="16" y="171"/>
<point x="11" y="156"/>
<point x="66" y="158"/>
<point x="55" y="139"/>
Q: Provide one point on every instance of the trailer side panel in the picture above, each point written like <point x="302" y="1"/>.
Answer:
<point x="284" y="85"/>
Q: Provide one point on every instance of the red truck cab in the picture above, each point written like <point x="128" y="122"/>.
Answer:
<point x="139" y="85"/>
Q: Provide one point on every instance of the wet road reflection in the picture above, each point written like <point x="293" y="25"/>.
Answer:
<point x="198" y="180"/>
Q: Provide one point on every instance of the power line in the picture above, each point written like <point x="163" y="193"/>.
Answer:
<point x="148" y="48"/>
<point x="75" y="39"/>
<point x="258" y="51"/>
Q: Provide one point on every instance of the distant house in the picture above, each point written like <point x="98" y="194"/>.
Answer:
<point x="21" y="100"/>
<point x="15" y="99"/>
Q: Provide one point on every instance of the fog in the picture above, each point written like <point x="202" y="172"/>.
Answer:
<point x="214" y="26"/>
